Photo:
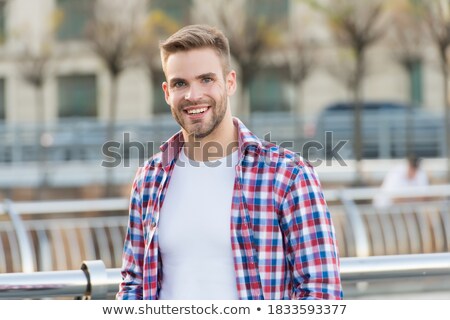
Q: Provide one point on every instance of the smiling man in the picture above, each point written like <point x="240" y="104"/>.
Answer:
<point x="219" y="213"/>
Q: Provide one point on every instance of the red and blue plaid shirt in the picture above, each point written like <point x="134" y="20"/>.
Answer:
<point x="282" y="234"/>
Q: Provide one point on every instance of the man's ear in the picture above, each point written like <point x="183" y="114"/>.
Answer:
<point x="231" y="82"/>
<point x="165" y="88"/>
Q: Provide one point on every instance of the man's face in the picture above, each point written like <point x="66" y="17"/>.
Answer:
<point x="197" y="90"/>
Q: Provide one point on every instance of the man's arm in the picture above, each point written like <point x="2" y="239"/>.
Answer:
<point x="311" y="245"/>
<point x="133" y="252"/>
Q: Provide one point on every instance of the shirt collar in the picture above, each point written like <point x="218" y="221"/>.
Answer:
<point x="246" y="138"/>
<point x="171" y="148"/>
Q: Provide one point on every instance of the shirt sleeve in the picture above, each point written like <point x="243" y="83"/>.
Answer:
<point x="310" y="239"/>
<point x="132" y="258"/>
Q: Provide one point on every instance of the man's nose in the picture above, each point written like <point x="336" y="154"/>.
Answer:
<point x="193" y="93"/>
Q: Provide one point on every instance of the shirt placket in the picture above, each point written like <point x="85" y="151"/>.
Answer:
<point x="245" y="232"/>
<point x="155" y="221"/>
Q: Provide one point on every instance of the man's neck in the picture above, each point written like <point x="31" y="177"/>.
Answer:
<point x="220" y="143"/>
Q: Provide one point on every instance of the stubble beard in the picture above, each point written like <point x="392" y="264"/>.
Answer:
<point x="198" y="128"/>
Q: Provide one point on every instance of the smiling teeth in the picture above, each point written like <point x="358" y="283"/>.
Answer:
<point x="195" y="111"/>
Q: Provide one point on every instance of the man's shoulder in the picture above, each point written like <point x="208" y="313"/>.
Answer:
<point x="287" y="165"/>
<point x="155" y="160"/>
<point x="270" y="153"/>
<point x="150" y="166"/>
<point x="282" y="156"/>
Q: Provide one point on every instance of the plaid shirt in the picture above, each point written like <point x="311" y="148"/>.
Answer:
<point x="282" y="235"/>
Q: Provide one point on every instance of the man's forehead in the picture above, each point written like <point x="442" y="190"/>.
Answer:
<point x="193" y="63"/>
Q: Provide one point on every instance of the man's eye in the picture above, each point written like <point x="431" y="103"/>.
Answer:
<point x="179" y="84"/>
<point x="207" y="80"/>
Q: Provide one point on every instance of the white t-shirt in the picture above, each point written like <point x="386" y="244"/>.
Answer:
<point x="397" y="179"/>
<point x="194" y="231"/>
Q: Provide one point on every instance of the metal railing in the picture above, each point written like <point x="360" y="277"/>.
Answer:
<point x="95" y="281"/>
<point x="82" y="139"/>
<point x="56" y="235"/>
<point x="71" y="152"/>
<point x="418" y="224"/>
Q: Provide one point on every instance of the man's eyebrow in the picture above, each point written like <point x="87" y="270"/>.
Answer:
<point x="206" y="75"/>
<point x="175" y="80"/>
<point x="200" y="76"/>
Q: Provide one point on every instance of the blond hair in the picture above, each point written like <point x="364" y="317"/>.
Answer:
<point x="197" y="37"/>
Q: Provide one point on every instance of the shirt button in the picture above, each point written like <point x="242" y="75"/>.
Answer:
<point x="153" y="224"/>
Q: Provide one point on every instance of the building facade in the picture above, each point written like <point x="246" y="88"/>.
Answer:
<point x="76" y="83"/>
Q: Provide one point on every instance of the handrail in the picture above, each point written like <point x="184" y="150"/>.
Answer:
<point x="69" y="283"/>
<point x="357" y="232"/>
<point x="63" y="206"/>
<point x="25" y="245"/>
<point x="395" y="266"/>
<point x="94" y="281"/>
<point x="356" y="223"/>
<point x="439" y="190"/>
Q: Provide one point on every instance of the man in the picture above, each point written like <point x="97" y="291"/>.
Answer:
<point x="219" y="213"/>
<point x="405" y="176"/>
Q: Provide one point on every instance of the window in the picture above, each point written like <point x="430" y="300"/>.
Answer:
<point x="176" y="10"/>
<point x="2" y="21"/>
<point x="77" y="96"/>
<point x="416" y="90"/>
<point x="273" y="11"/>
<point x="267" y="91"/>
<point x="2" y="100"/>
<point x="159" y="102"/>
<point x="74" y="17"/>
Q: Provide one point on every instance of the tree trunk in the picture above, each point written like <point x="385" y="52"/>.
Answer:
<point x="245" y="107"/>
<point x="447" y="118"/>
<point x="41" y="143"/>
<point x="409" y="119"/>
<point x="297" y="101"/>
<point x="409" y="132"/>
<point x="110" y="133"/>
<point x="298" y="113"/>
<point x="357" y="133"/>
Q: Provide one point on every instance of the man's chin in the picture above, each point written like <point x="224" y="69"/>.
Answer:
<point x="202" y="134"/>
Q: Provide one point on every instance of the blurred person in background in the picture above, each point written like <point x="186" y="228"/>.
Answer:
<point x="219" y="213"/>
<point x="407" y="175"/>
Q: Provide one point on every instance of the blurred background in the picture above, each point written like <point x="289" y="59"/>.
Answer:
<point x="75" y="74"/>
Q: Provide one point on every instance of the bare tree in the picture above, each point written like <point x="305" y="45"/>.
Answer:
<point x="299" y="54"/>
<point x="33" y="66"/>
<point x="111" y="32"/>
<point x="436" y="14"/>
<point x="251" y="36"/>
<point x="354" y="24"/>
<point x="157" y="26"/>
<point x="407" y="46"/>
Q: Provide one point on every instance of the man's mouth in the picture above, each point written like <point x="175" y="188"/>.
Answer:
<point x="197" y="111"/>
